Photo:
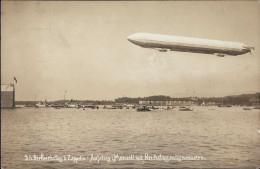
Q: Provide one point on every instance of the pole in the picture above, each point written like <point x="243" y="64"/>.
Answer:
<point x="65" y="94"/>
<point x="13" y="96"/>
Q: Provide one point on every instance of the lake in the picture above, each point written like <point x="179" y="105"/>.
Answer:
<point x="207" y="137"/>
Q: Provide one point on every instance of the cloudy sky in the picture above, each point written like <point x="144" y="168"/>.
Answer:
<point x="81" y="48"/>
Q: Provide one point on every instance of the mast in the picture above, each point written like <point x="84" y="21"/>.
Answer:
<point x="15" y="82"/>
<point x="13" y="96"/>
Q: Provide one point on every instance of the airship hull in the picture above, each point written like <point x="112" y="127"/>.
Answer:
<point x="188" y="44"/>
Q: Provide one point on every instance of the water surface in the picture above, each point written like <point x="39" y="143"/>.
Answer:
<point x="225" y="137"/>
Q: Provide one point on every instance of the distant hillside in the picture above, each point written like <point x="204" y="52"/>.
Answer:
<point x="243" y="99"/>
<point x="61" y="102"/>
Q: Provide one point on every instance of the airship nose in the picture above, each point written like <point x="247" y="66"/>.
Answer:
<point x="136" y="38"/>
<point x="130" y="38"/>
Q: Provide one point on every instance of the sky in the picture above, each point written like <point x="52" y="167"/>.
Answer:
<point x="82" y="48"/>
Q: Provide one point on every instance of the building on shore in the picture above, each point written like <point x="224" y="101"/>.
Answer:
<point x="255" y="100"/>
<point x="7" y="96"/>
<point x="187" y="102"/>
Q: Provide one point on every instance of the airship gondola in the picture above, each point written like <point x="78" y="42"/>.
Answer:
<point x="164" y="43"/>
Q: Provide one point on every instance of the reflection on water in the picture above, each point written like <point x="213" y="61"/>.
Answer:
<point x="226" y="137"/>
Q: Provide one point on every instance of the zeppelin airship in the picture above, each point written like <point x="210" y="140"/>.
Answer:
<point x="164" y="43"/>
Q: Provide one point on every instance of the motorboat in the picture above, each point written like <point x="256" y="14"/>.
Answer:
<point x="40" y="104"/>
<point x="143" y="108"/>
<point x="182" y="108"/>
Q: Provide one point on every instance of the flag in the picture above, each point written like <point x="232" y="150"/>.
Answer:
<point x="15" y="80"/>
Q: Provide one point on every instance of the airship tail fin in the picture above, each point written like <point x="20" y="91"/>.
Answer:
<point x="250" y="48"/>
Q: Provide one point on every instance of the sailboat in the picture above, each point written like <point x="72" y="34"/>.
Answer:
<point x="222" y="105"/>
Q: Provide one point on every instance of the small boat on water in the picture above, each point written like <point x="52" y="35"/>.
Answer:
<point x="90" y="106"/>
<point x="185" y="109"/>
<point x="168" y="108"/>
<point x="40" y="104"/>
<point x="111" y="108"/>
<point x="224" y="105"/>
<point x="160" y="108"/>
<point x="143" y="108"/>
<point x="157" y="108"/>
<point x="56" y="106"/>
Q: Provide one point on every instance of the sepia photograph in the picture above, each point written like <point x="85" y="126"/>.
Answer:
<point x="130" y="84"/>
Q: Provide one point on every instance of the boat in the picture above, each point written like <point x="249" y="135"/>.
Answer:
<point x="71" y="105"/>
<point x="40" y="104"/>
<point x="128" y="106"/>
<point x="117" y="106"/>
<point x="185" y="109"/>
<point x="143" y="108"/>
<point x="78" y="106"/>
<point x="168" y="108"/>
<point x="56" y="106"/>
<point x="111" y="108"/>
<point x="224" y="105"/>
<point x="157" y="108"/>
<point x="90" y="106"/>
<point x="29" y="106"/>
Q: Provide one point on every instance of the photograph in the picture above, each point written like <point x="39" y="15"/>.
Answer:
<point x="130" y="84"/>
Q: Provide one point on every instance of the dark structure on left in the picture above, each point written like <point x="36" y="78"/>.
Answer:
<point x="7" y="96"/>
